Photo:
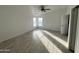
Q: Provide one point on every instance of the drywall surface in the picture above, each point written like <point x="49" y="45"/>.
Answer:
<point x="52" y="20"/>
<point x="77" y="36"/>
<point x="14" y="20"/>
<point x="69" y="8"/>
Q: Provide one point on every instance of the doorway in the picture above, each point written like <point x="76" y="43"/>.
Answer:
<point x="72" y="28"/>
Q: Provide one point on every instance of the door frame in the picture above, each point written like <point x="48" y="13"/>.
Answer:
<point x="72" y="28"/>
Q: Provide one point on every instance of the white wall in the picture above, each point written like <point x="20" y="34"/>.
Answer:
<point x="14" y="20"/>
<point x="52" y="20"/>
<point x="77" y="32"/>
<point x="69" y="8"/>
<point x="77" y="36"/>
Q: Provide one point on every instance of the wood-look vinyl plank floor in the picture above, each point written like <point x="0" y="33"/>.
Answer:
<point x="28" y="43"/>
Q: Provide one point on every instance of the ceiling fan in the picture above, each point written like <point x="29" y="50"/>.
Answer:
<point x="44" y="9"/>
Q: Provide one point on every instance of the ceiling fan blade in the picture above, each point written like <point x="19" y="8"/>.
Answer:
<point x="47" y="9"/>
<point x="44" y="10"/>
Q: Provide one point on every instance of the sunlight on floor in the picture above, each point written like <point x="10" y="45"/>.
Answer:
<point x="57" y="38"/>
<point x="46" y="42"/>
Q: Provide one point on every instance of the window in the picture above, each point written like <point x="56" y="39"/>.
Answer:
<point x="34" y="22"/>
<point x="40" y="21"/>
<point x="37" y="22"/>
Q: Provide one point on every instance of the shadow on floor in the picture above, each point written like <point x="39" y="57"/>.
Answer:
<point x="58" y="34"/>
<point x="57" y="43"/>
<point x="26" y="43"/>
